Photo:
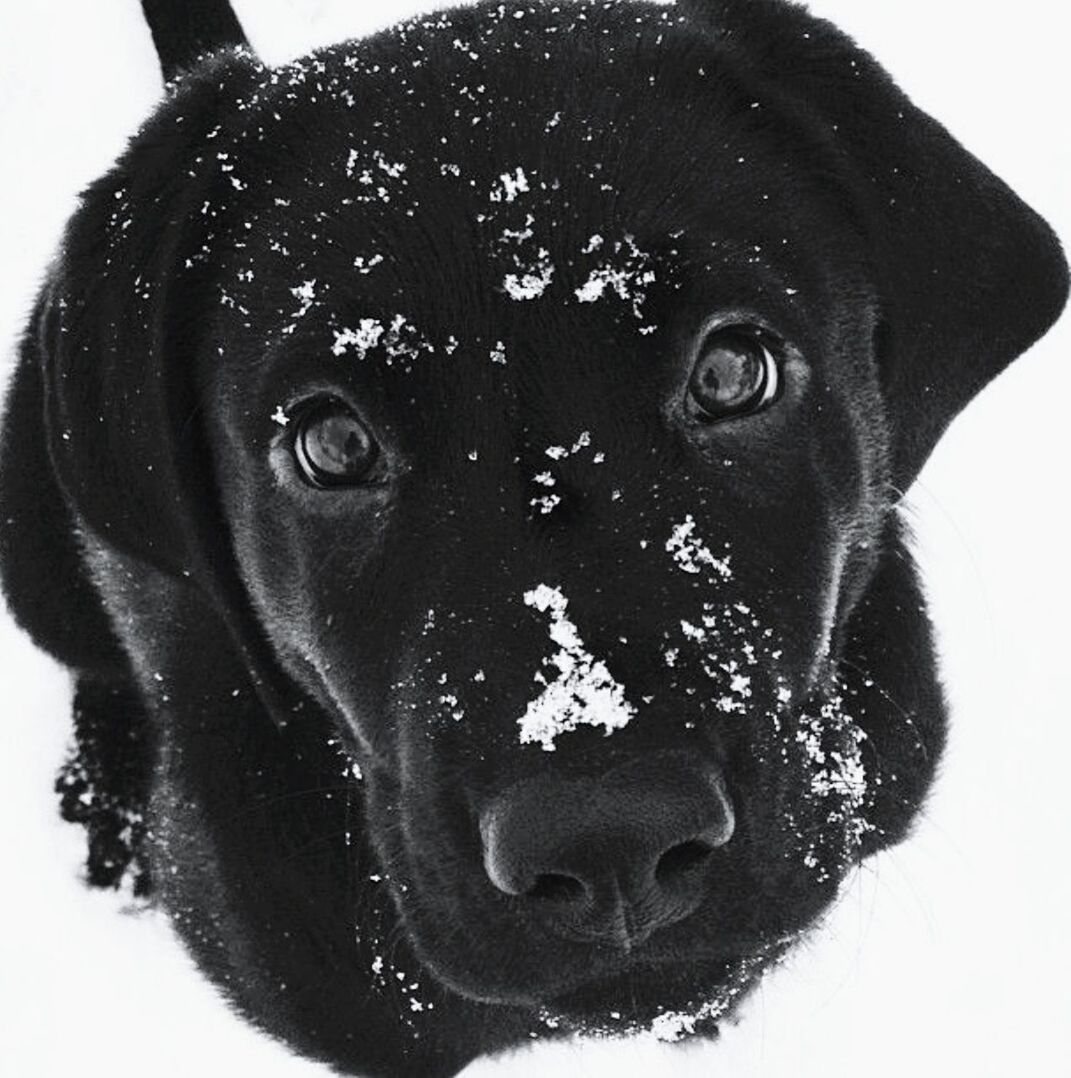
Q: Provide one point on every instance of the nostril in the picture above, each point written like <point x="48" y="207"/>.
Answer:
<point x="633" y="846"/>
<point x="556" y="887"/>
<point x="679" y="860"/>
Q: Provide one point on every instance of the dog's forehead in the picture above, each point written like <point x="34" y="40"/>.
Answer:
<point x="539" y="156"/>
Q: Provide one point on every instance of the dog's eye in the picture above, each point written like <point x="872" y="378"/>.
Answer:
<point x="735" y="373"/>
<point x="332" y="446"/>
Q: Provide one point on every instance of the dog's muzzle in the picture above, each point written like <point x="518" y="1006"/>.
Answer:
<point x="609" y="859"/>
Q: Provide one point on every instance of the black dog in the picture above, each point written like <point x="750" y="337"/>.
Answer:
<point x="461" y="470"/>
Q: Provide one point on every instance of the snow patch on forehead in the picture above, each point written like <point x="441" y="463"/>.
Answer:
<point x="399" y="340"/>
<point x="364" y="266"/>
<point x="363" y="339"/>
<point x="583" y="693"/>
<point x="372" y="175"/>
<point x="533" y="282"/>
<point x="624" y="271"/>
<point x="510" y="185"/>
<point x="305" y="294"/>
<point x="560" y="452"/>
<point x="535" y="270"/>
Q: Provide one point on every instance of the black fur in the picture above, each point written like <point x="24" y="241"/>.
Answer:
<point x="295" y="706"/>
<point x="185" y="32"/>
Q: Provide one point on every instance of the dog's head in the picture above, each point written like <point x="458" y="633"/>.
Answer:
<point x="531" y="389"/>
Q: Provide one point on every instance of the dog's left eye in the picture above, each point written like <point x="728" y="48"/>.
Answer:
<point x="332" y="446"/>
<point x="735" y="373"/>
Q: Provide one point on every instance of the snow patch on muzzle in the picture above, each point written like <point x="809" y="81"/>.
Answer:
<point x="583" y="693"/>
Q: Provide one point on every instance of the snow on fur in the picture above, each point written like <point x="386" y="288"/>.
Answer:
<point x="583" y="693"/>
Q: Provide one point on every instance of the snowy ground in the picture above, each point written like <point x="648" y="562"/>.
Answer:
<point x="948" y="956"/>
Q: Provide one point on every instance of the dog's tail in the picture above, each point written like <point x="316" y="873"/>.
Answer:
<point x="184" y="30"/>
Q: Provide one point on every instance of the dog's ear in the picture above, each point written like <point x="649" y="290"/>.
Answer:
<point x="45" y="581"/>
<point x="82" y="423"/>
<point x="121" y="407"/>
<point x="117" y="415"/>
<point x="968" y="276"/>
<point x="183" y="31"/>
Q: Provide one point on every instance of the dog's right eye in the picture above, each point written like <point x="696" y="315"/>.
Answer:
<point x="333" y="448"/>
<point x="735" y="373"/>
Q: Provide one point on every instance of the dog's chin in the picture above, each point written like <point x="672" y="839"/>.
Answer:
<point x="670" y="1001"/>
<point x="493" y="957"/>
<point x="612" y="992"/>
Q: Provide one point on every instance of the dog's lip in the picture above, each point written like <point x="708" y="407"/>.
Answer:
<point x="610" y="988"/>
<point x="626" y="999"/>
<point x="592" y="966"/>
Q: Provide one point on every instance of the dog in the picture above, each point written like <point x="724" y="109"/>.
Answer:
<point x="461" y="470"/>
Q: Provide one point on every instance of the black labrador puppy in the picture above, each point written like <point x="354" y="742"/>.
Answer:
<point x="461" y="470"/>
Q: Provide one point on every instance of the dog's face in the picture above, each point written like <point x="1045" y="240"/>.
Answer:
<point x="529" y="392"/>
<point x="513" y="444"/>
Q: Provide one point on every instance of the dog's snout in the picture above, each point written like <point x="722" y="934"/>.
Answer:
<point x="609" y="858"/>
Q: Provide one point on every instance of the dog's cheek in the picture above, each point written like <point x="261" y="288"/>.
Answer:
<point x="861" y="758"/>
<point x="891" y="684"/>
<point x="307" y="572"/>
<point x="828" y="822"/>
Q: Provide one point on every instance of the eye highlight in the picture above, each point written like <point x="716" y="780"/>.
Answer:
<point x="332" y="447"/>
<point x="735" y="372"/>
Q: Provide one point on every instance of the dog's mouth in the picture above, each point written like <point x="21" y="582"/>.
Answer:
<point x="669" y="999"/>
<point x="664" y="993"/>
<point x="684" y="976"/>
<point x="614" y="876"/>
<point x="505" y="896"/>
<point x="605" y="989"/>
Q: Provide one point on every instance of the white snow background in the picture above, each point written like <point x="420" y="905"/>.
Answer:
<point x="951" y="955"/>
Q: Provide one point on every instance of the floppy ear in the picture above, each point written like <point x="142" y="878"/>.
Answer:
<point x="118" y="358"/>
<point x="119" y="438"/>
<point x="45" y="582"/>
<point x="968" y="276"/>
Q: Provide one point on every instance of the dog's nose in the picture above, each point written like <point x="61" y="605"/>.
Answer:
<point x="614" y="857"/>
